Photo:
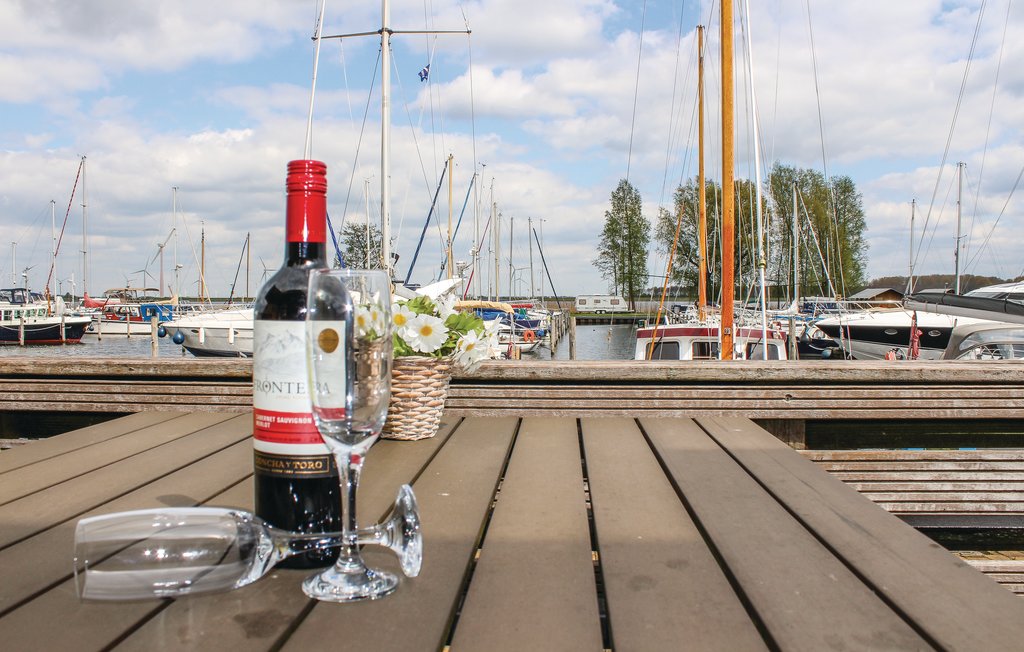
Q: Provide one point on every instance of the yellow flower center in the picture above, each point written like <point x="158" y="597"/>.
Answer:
<point x="400" y="319"/>
<point x="427" y="330"/>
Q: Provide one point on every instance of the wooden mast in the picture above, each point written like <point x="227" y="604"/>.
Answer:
<point x="702" y="232"/>
<point x="728" y="198"/>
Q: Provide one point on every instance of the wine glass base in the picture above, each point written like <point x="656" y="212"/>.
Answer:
<point x="332" y="585"/>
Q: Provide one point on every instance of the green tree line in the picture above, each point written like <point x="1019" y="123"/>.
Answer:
<point x="830" y="236"/>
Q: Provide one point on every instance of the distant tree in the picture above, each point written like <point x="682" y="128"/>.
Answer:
<point x="832" y="243"/>
<point x="686" y="211"/>
<point x="831" y="230"/>
<point x="968" y="282"/>
<point x="622" y="251"/>
<point x="353" y="244"/>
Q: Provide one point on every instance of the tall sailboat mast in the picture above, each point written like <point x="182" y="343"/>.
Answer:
<point x="85" y="235"/>
<point x="53" y="250"/>
<point x="702" y="234"/>
<point x="762" y="262"/>
<point x="796" y="248"/>
<point x="385" y="137"/>
<point x="728" y="197"/>
<point x="910" y="276"/>
<point x="959" y="195"/>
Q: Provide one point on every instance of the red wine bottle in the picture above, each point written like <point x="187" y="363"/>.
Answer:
<point x="295" y="475"/>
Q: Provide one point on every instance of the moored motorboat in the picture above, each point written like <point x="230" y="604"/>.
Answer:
<point x="26" y="319"/>
<point x="874" y="334"/>
<point x="130" y="319"/>
<point x="217" y="333"/>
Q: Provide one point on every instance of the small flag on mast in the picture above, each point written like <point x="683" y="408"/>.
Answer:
<point x="425" y="73"/>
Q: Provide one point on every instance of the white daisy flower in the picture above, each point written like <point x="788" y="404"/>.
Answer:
<point x="426" y="334"/>
<point x="492" y="342"/>
<point x="364" y="321"/>
<point x="470" y="349"/>
<point x="446" y="306"/>
<point x="376" y="317"/>
<point x="400" y="317"/>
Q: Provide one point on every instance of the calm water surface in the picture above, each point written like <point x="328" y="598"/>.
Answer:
<point x="137" y="346"/>
<point x="597" y="342"/>
<point x="593" y="342"/>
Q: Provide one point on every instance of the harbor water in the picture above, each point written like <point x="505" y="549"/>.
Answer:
<point x="593" y="342"/>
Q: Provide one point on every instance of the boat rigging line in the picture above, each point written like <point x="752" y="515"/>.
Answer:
<point x="949" y="136"/>
<point x="71" y="201"/>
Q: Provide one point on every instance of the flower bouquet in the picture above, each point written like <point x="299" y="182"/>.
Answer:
<point x="429" y="338"/>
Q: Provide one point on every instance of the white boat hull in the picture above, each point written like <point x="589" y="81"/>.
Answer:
<point x="217" y="334"/>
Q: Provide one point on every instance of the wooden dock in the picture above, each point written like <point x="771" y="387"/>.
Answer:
<point x="541" y="533"/>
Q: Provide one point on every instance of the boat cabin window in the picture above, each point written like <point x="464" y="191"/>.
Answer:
<point x="705" y="350"/>
<point x="754" y="352"/>
<point x="665" y="351"/>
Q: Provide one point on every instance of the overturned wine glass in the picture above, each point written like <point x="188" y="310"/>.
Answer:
<point x="178" y="551"/>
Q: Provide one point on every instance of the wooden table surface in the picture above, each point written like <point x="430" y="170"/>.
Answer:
<point x="539" y="534"/>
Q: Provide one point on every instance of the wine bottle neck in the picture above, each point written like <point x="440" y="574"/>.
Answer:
<point x="306" y="213"/>
<point x="299" y="254"/>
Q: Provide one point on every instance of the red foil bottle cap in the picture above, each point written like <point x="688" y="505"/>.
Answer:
<point x="307" y="201"/>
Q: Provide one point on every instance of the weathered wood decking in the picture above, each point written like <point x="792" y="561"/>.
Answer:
<point x="550" y="533"/>
<point x="792" y="390"/>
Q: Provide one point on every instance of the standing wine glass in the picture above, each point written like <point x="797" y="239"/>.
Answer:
<point x="348" y="353"/>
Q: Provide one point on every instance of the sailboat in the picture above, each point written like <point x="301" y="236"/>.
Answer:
<point x="707" y="335"/>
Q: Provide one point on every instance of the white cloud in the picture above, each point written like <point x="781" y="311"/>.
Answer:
<point x="553" y="94"/>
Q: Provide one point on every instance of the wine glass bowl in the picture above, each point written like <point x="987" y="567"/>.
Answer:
<point x="177" y="551"/>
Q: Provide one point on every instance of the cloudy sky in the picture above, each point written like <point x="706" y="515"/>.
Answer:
<point x="549" y="103"/>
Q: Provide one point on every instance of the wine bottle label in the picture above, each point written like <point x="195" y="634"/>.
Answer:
<point x="285" y="438"/>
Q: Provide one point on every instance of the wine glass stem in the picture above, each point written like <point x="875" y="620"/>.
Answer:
<point x="350" y="465"/>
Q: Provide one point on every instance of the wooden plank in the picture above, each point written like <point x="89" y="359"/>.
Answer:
<point x="63" y="368"/>
<point x="844" y="372"/>
<point x="805" y="597"/>
<point x="32" y="514"/>
<point x="928" y="476"/>
<point x="727" y="409"/>
<point x="533" y="587"/>
<point x="65" y="466"/>
<point x="957" y="607"/>
<point x="161" y="396"/>
<point x="48" y="553"/>
<point x="258" y="616"/>
<point x="1011" y="454"/>
<point x="1012" y="499"/>
<point x="662" y="583"/>
<point x="42" y="449"/>
<point x="454" y="493"/>
<point x="935" y="486"/>
<point x="980" y="466"/>
<point x="819" y="371"/>
<point x="788" y="392"/>
<point x="989" y="566"/>
<point x="35" y="387"/>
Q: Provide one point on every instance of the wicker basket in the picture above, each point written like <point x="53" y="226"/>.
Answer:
<point x="419" y="386"/>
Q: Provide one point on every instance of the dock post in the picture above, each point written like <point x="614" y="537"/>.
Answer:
<point x="572" y="338"/>
<point x="99" y="327"/>
<point x="21" y="328"/>
<point x="153" y="325"/>
<point x="63" y="334"/>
